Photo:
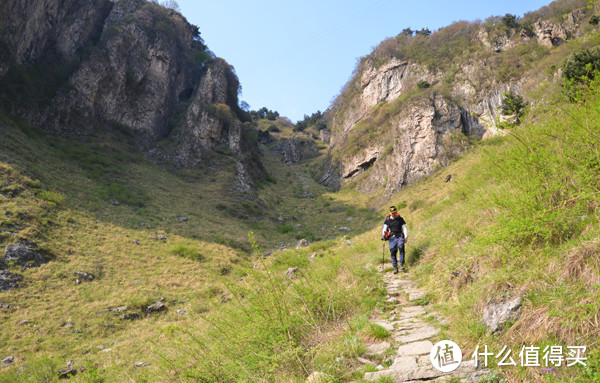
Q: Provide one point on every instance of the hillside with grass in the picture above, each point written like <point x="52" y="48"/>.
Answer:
<point x="123" y="266"/>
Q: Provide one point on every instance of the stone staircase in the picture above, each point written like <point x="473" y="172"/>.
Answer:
<point x="412" y="336"/>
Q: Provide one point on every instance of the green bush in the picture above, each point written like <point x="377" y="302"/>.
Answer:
<point x="513" y="105"/>
<point x="582" y="66"/>
<point x="186" y="250"/>
<point x="284" y="229"/>
<point x="422" y="84"/>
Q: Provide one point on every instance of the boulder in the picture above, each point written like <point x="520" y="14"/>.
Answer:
<point x="495" y="315"/>
<point x="131" y="316"/>
<point x="9" y="280"/>
<point x="8" y="361"/>
<point x="24" y="254"/>
<point x="156" y="307"/>
<point x="291" y="273"/>
<point x="83" y="276"/>
<point x="67" y="372"/>
<point x="302" y="243"/>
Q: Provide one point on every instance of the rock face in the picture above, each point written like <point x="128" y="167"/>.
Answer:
<point x="131" y="65"/>
<point x="33" y="30"/>
<point x="24" y="254"/>
<point x="427" y="136"/>
<point x="398" y="120"/>
<point x="295" y="150"/>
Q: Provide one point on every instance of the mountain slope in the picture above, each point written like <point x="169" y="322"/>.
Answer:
<point x="414" y="103"/>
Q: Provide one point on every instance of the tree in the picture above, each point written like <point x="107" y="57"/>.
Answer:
<point x="513" y="105"/>
<point x="510" y="21"/>
<point x="172" y="4"/>
<point x="244" y="106"/>
<point x="407" y="32"/>
<point x="423" y="32"/>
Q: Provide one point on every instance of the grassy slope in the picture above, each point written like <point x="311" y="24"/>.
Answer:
<point x="69" y="214"/>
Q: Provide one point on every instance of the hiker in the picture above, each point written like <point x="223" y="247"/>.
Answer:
<point x="394" y="229"/>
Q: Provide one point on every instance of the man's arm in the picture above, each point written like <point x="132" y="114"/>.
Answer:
<point x="384" y="229"/>
<point x="405" y="233"/>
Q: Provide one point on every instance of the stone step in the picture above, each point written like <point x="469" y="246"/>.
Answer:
<point x="417" y="334"/>
<point x="415" y="348"/>
<point x="465" y="371"/>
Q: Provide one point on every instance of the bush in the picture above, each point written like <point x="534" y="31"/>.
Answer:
<point x="582" y="66"/>
<point x="422" y="84"/>
<point x="513" y="105"/>
<point x="284" y="229"/>
<point x="186" y="250"/>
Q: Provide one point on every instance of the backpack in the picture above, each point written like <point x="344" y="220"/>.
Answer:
<point x="388" y="233"/>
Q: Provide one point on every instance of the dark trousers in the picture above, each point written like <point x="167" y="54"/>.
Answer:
<point x="397" y="246"/>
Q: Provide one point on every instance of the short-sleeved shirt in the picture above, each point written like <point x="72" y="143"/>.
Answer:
<point x="395" y="225"/>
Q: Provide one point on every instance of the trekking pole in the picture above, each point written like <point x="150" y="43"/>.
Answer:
<point x="382" y="256"/>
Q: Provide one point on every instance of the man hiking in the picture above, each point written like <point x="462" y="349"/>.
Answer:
<point x="396" y="226"/>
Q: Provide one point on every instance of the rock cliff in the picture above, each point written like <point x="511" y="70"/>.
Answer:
<point x="414" y="102"/>
<point x="127" y="63"/>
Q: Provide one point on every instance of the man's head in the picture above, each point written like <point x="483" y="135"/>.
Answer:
<point x="393" y="211"/>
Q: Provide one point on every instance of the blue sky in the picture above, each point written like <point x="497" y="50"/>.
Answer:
<point x="295" y="56"/>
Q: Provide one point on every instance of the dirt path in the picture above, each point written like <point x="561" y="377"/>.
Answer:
<point x="411" y="337"/>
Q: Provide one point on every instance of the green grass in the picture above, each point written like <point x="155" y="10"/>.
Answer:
<point x="378" y="332"/>
<point x="60" y="194"/>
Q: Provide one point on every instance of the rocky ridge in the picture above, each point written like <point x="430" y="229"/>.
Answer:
<point x="422" y="133"/>
<point x="128" y="65"/>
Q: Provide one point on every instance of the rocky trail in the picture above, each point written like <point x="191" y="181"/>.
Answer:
<point x="412" y="338"/>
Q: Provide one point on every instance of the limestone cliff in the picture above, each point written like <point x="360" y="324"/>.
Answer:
<point x="415" y="101"/>
<point x="127" y="63"/>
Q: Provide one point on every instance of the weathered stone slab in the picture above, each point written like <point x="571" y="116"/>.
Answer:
<point x="377" y="348"/>
<point x="416" y="295"/>
<point x="403" y="363"/>
<point x="418" y="334"/>
<point x="415" y="348"/>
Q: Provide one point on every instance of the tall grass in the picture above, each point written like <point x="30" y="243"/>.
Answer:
<point x="272" y="328"/>
<point x="550" y="174"/>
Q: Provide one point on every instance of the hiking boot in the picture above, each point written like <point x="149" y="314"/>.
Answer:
<point x="402" y="269"/>
<point x="395" y="270"/>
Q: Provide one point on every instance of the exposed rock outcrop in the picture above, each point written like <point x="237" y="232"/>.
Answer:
<point x="9" y="280"/>
<point x="25" y="254"/>
<point x="128" y="65"/>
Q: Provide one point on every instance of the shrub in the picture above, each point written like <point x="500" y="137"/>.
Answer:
<point x="582" y="66"/>
<point x="284" y="229"/>
<point x="186" y="250"/>
<point x="422" y="84"/>
<point x="513" y="105"/>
